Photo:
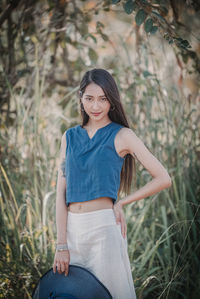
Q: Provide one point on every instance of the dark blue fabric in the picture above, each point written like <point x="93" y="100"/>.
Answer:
<point x="78" y="284"/>
<point x="92" y="165"/>
<point x="53" y="295"/>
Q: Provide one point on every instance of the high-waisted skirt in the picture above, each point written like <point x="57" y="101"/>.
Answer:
<point x="96" y="243"/>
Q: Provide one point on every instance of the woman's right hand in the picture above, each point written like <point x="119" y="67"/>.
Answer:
<point x="61" y="260"/>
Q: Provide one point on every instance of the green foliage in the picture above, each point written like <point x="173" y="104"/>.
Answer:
<point x="115" y="1"/>
<point x="156" y="18"/>
<point x="154" y="29"/>
<point x="170" y="219"/>
<point x="99" y="27"/>
<point x="158" y="15"/>
<point x="146" y="74"/>
<point x="162" y="230"/>
<point x="184" y="44"/>
<point x="129" y="6"/>
<point x="140" y="17"/>
<point x="93" y="55"/>
<point x="148" y="25"/>
<point x="90" y="35"/>
<point x="62" y="24"/>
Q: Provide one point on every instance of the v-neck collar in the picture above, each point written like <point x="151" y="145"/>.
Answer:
<point x="90" y="139"/>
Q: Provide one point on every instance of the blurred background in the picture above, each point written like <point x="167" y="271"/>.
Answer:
<point x="152" y="49"/>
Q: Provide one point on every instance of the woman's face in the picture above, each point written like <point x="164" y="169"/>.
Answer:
<point x="95" y="101"/>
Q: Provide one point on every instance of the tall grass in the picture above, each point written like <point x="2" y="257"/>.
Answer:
<point x="163" y="230"/>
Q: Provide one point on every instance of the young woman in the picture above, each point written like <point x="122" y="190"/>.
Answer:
<point x="96" y="163"/>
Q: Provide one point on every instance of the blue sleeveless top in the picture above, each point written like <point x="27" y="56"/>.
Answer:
<point x="92" y="165"/>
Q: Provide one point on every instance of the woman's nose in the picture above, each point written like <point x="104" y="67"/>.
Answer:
<point x="95" y="105"/>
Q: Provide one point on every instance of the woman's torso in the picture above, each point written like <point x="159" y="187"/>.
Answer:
<point x="91" y="205"/>
<point x="101" y="202"/>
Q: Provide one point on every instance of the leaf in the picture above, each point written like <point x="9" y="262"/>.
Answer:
<point x="62" y="43"/>
<point x="148" y="25"/>
<point x="166" y="36"/>
<point x="84" y="28"/>
<point x="115" y="1"/>
<point x="68" y="39"/>
<point x="93" y="37"/>
<point x="129" y="6"/>
<point x="140" y="17"/>
<point x="146" y="74"/>
<point x="104" y="36"/>
<point x="183" y="43"/>
<point x="185" y="57"/>
<point x="154" y="29"/>
<point x="158" y="15"/>
<point x="164" y="10"/>
<point x="79" y="64"/>
<point x="90" y="35"/>
<point x="99" y="24"/>
<point x="34" y="39"/>
<point x="178" y="39"/>
<point x="93" y="55"/>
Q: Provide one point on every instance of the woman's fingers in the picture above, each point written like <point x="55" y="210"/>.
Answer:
<point x="123" y="226"/>
<point x="119" y="216"/>
<point x="66" y="268"/>
<point x="125" y="229"/>
<point x="62" y="267"/>
<point x="59" y="268"/>
<point x="122" y="223"/>
<point x="61" y="263"/>
<point x="55" y="266"/>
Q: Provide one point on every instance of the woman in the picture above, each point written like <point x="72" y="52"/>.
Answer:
<point x="96" y="164"/>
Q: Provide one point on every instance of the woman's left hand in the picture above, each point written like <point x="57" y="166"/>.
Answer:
<point x="120" y="218"/>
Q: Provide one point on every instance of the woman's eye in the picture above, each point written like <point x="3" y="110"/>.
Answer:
<point x="104" y="99"/>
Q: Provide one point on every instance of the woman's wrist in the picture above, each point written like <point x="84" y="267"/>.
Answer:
<point x="118" y="203"/>
<point x="62" y="247"/>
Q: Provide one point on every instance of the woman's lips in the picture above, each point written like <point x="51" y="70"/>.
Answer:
<point x="96" y="113"/>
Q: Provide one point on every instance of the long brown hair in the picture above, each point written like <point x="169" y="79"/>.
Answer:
<point x="105" y="80"/>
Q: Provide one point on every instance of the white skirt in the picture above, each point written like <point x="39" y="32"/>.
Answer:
<point x="96" y="243"/>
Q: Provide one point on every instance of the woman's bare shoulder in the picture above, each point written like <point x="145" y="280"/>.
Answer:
<point x="127" y="133"/>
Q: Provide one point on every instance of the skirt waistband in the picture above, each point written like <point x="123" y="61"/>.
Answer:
<point x="90" y="219"/>
<point x="95" y="212"/>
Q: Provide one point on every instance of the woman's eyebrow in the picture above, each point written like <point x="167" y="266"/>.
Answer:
<point x="87" y="95"/>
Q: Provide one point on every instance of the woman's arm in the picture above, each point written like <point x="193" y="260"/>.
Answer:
<point x="138" y="150"/>
<point x="61" y="207"/>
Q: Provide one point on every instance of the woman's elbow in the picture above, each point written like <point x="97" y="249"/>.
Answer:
<point x="167" y="181"/>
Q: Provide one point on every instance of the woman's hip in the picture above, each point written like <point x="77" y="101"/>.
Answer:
<point x="94" y="228"/>
<point x="90" y="220"/>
